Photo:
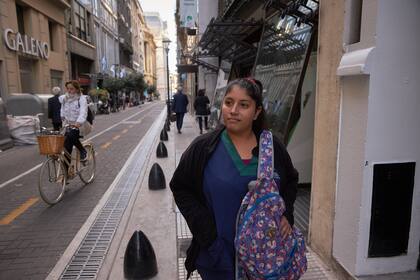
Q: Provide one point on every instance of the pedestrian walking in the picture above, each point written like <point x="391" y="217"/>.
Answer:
<point x="54" y="107"/>
<point x="74" y="111"/>
<point x="180" y="108"/>
<point x="213" y="176"/>
<point x="202" y="109"/>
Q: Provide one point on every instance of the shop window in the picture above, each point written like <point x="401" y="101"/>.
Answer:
<point x="56" y="78"/>
<point x="20" y="19"/>
<point x="281" y="66"/>
<point x="392" y="198"/>
<point x="26" y="68"/>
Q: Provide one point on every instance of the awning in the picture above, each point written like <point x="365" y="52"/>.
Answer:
<point x="187" y="68"/>
<point x="230" y="39"/>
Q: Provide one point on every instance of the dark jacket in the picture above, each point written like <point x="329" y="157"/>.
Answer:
<point x="187" y="188"/>
<point x="200" y="105"/>
<point x="54" y="107"/>
<point x="180" y="103"/>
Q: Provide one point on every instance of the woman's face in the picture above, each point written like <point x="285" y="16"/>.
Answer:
<point x="71" y="89"/>
<point x="239" y="110"/>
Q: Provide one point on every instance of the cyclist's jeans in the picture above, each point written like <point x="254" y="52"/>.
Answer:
<point x="72" y="139"/>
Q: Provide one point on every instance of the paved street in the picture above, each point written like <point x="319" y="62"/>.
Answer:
<point x="34" y="235"/>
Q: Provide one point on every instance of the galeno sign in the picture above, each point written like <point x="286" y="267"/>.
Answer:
<point x="25" y="44"/>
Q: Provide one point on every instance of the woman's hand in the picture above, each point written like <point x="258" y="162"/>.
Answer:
<point x="285" y="228"/>
<point x="77" y="125"/>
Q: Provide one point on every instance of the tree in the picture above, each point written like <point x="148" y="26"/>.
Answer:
<point x="99" y="94"/>
<point x="113" y="85"/>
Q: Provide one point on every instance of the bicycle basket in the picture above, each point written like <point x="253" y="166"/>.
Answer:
<point x="50" y="144"/>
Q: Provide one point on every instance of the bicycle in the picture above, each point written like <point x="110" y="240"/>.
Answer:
<point x="53" y="175"/>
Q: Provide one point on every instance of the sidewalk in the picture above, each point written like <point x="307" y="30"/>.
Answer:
<point x="155" y="213"/>
<point x="97" y="251"/>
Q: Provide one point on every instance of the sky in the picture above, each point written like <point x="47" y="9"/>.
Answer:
<point x="166" y="8"/>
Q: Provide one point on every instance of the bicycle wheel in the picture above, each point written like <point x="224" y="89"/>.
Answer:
<point x="52" y="181"/>
<point x="87" y="168"/>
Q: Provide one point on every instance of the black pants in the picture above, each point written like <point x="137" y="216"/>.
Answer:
<point x="179" y="120"/>
<point x="57" y="125"/>
<point x="72" y="139"/>
<point x="200" y="122"/>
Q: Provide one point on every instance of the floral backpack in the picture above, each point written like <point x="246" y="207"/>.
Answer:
<point x="261" y="252"/>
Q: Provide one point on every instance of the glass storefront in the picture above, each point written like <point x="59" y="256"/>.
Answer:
<point x="280" y="67"/>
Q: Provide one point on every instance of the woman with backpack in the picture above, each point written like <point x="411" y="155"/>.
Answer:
<point x="74" y="111"/>
<point x="212" y="179"/>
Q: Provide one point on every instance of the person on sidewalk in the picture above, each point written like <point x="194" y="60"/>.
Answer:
<point x="54" y="108"/>
<point x="212" y="178"/>
<point x="74" y="110"/>
<point x="179" y="106"/>
<point x="202" y="110"/>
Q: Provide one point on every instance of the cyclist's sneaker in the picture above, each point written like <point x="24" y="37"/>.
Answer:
<point x="83" y="156"/>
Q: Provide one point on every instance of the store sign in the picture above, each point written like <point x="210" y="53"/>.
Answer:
<point x="188" y="13"/>
<point x="25" y="44"/>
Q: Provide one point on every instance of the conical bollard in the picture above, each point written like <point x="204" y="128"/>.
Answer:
<point x="156" y="178"/>
<point x="161" y="151"/>
<point x="163" y="135"/>
<point x="139" y="259"/>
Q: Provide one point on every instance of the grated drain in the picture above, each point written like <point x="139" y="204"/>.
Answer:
<point x="87" y="260"/>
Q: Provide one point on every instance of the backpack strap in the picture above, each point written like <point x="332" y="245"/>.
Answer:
<point x="265" y="156"/>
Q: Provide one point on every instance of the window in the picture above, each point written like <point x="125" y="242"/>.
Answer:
<point x="80" y="21"/>
<point x="20" y="17"/>
<point x="355" y="18"/>
<point x="26" y="67"/>
<point x="54" y="35"/>
<point x="56" y="78"/>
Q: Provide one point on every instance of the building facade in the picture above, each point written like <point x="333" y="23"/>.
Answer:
<point x="106" y="33"/>
<point x="33" y="46"/>
<point x="159" y="30"/>
<point x="138" y="26"/>
<point x="150" y="73"/>
<point x="125" y="36"/>
<point x="365" y="212"/>
<point x="81" y="42"/>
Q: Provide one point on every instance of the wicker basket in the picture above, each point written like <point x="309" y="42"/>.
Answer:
<point x="50" y="144"/>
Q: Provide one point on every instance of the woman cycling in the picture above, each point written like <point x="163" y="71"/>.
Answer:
<point x="74" y="109"/>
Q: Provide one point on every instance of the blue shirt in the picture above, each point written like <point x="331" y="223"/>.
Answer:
<point x="225" y="184"/>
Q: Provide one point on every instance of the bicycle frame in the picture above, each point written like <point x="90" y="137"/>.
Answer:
<point x="73" y="162"/>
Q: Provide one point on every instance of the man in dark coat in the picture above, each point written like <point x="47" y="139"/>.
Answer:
<point x="54" y="107"/>
<point x="180" y="107"/>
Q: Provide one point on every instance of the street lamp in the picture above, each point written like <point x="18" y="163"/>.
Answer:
<point x="166" y="43"/>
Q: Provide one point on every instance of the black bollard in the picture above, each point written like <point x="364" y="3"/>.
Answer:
<point x="161" y="151"/>
<point x="139" y="258"/>
<point x="156" y="178"/>
<point x="163" y="135"/>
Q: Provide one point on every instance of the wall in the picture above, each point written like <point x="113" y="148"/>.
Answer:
<point x="326" y="128"/>
<point x="393" y="120"/>
<point x="379" y="117"/>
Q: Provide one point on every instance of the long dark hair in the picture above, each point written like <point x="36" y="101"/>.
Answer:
<point x="254" y="90"/>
